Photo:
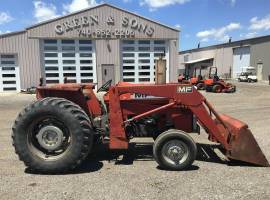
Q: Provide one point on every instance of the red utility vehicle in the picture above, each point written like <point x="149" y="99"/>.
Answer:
<point x="198" y="80"/>
<point x="194" y="80"/>
<point x="217" y="85"/>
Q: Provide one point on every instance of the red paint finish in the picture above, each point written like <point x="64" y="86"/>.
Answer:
<point x="118" y="139"/>
<point x="81" y="94"/>
<point x="154" y="111"/>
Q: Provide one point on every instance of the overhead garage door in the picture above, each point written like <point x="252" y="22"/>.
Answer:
<point x="9" y="73"/>
<point x="138" y="59"/>
<point x="71" y="59"/>
<point x="241" y="60"/>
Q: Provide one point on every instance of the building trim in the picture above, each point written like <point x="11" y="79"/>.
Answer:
<point x="198" y="60"/>
<point x="240" y="43"/>
<point x="12" y="33"/>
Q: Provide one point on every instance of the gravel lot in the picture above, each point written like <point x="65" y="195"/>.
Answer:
<point x="136" y="176"/>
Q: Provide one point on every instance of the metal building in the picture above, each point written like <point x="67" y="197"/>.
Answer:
<point x="230" y="58"/>
<point x="94" y="45"/>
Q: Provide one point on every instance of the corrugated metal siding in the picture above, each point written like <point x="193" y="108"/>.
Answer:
<point x="222" y="58"/>
<point x="28" y="56"/>
<point x="260" y="52"/>
<point x="48" y="30"/>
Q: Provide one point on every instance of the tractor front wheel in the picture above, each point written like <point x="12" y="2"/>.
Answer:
<point x="52" y="135"/>
<point x="174" y="150"/>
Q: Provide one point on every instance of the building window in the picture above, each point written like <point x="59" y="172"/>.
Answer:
<point x="9" y="73"/>
<point x="74" y="59"/>
<point x="138" y="59"/>
<point x="8" y="59"/>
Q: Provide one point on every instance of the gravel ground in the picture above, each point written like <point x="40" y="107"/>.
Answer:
<point x="136" y="176"/>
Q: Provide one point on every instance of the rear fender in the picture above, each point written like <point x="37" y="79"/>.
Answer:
<point x="81" y="95"/>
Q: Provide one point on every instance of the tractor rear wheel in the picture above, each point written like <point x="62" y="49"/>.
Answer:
<point x="217" y="88"/>
<point x="174" y="150"/>
<point x="52" y="135"/>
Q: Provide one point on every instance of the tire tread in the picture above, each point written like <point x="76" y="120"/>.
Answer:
<point x="67" y="106"/>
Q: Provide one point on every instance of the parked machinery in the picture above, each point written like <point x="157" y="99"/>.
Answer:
<point x="197" y="80"/>
<point x="217" y="85"/>
<point x="248" y="75"/>
<point x="56" y="133"/>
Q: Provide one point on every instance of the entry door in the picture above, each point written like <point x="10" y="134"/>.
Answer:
<point x="259" y="71"/>
<point x="107" y="73"/>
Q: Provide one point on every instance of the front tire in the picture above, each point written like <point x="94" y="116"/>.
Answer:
<point x="52" y="135"/>
<point x="174" y="150"/>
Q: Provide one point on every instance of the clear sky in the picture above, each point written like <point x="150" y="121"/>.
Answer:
<point x="205" y="21"/>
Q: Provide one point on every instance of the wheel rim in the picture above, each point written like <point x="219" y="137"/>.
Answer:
<point x="175" y="152"/>
<point x="48" y="138"/>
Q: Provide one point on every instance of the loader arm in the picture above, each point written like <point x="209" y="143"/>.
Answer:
<point x="229" y="132"/>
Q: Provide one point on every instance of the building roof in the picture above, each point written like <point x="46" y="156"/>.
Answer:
<point x="97" y="6"/>
<point x="11" y="33"/>
<point x="197" y="60"/>
<point x="228" y="44"/>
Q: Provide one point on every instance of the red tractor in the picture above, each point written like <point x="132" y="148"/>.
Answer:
<point x="56" y="133"/>
<point x="194" y="80"/>
<point x="217" y="85"/>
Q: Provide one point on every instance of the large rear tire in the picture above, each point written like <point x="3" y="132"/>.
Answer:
<point x="52" y="135"/>
<point x="174" y="150"/>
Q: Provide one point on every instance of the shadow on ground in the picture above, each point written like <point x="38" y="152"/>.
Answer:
<point x="143" y="152"/>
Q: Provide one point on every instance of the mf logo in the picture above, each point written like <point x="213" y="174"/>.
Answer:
<point x="184" y="89"/>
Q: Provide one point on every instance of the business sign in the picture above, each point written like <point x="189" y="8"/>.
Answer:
<point x="87" y="26"/>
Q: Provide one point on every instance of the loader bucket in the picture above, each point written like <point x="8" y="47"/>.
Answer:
<point x="243" y="145"/>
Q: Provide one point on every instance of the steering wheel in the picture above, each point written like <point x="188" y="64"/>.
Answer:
<point x="105" y="87"/>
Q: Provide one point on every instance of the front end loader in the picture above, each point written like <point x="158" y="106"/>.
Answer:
<point x="57" y="132"/>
